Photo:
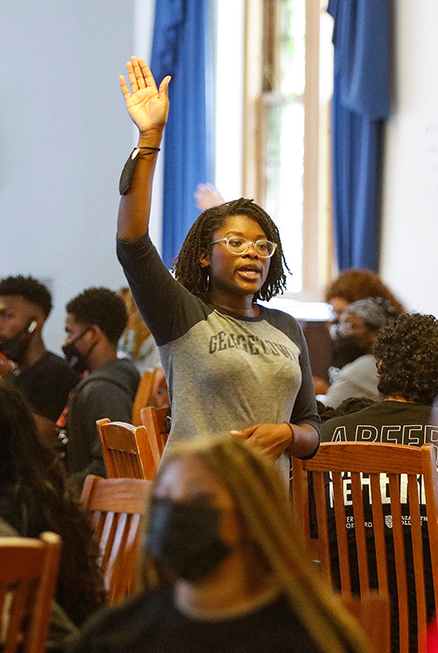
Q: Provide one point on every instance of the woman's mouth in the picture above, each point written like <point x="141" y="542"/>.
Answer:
<point x="249" y="272"/>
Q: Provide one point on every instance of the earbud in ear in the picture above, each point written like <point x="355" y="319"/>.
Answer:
<point x="32" y="326"/>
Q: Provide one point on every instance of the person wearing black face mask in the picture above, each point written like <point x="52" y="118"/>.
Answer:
<point x="43" y="377"/>
<point x="95" y="320"/>
<point x="230" y="574"/>
<point x="354" y="373"/>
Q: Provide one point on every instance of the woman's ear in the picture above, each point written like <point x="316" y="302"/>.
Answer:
<point x="204" y="261"/>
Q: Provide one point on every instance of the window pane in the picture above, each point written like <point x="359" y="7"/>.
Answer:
<point x="285" y="133"/>
<point x="284" y="189"/>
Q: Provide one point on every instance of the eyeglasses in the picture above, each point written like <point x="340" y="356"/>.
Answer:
<point x="236" y="245"/>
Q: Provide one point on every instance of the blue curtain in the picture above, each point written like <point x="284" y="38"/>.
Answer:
<point x="182" y="48"/>
<point x="361" y="103"/>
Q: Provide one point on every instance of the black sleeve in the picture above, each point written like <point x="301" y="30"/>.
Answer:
<point x="305" y="410"/>
<point x="168" y="308"/>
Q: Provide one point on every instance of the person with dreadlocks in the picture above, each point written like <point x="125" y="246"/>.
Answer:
<point x="245" y="583"/>
<point x="231" y="364"/>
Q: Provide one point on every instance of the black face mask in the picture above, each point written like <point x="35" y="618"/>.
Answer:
<point x="185" y="538"/>
<point x="15" y="348"/>
<point x="74" y="357"/>
<point x="346" y="348"/>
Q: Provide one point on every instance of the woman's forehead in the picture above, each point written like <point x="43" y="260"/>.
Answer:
<point x="188" y="477"/>
<point x="242" y="225"/>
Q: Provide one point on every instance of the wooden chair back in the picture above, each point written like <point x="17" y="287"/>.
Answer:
<point x="116" y="507"/>
<point x="127" y="452"/>
<point x="397" y="468"/>
<point x="155" y="422"/>
<point x="152" y="391"/>
<point x="373" y="614"/>
<point x="28" y="573"/>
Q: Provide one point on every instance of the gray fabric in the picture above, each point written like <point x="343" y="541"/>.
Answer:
<point x="375" y="312"/>
<point x="108" y="392"/>
<point x="357" y="379"/>
<point x="224" y="371"/>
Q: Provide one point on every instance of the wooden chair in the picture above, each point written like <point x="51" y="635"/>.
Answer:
<point x="372" y="612"/>
<point x="152" y="391"/>
<point x="116" y="507"/>
<point x="401" y="467"/>
<point x="28" y="573"/>
<point x="127" y="450"/>
<point x="155" y="421"/>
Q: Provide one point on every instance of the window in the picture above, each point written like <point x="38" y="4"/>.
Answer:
<point x="285" y="136"/>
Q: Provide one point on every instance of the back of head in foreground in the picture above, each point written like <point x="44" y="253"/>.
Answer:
<point x="261" y="502"/>
<point x="407" y="359"/>
<point x="34" y="489"/>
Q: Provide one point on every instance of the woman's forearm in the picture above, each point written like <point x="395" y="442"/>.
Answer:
<point x="305" y="440"/>
<point x="135" y="204"/>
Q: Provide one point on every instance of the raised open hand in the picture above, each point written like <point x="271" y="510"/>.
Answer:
<point x="146" y="105"/>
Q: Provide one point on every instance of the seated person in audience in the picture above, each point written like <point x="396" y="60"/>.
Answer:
<point x="44" y="378"/>
<point x="35" y="497"/>
<point x="136" y="341"/>
<point x="356" y="334"/>
<point x="407" y="355"/>
<point x="95" y="321"/>
<point x="350" y="286"/>
<point x="351" y="405"/>
<point x="230" y="573"/>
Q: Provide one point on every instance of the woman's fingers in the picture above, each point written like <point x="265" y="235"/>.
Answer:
<point x="164" y="86"/>
<point x="132" y="77"/>
<point x="138" y="73"/>
<point x="147" y="75"/>
<point x="124" y="87"/>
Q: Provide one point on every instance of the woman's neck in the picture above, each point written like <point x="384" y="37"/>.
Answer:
<point x="244" y="306"/>
<point x="226" y="594"/>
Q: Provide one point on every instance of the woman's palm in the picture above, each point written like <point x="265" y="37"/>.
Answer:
<point x="147" y="109"/>
<point x="146" y="105"/>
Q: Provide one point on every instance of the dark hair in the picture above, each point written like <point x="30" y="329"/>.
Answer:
<point x="187" y="268"/>
<point x="103" y="307"/>
<point x="35" y="497"/>
<point x="350" y="405"/>
<point x="352" y="285"/>
<point x="30" y="289"/>
<point x="407" y="355"/>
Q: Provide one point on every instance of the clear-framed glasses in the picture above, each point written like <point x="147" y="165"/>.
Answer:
<point x="238" y="245"/>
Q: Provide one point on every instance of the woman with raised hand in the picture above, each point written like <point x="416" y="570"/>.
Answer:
<point x="232" y="365"/>
<point x="226" y="571"/>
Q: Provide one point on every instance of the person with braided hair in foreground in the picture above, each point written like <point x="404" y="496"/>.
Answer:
<point x="225" y="569"/>
<point x="231" y="364"/>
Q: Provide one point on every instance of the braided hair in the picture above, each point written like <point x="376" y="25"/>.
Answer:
<point x="187" y="268"/>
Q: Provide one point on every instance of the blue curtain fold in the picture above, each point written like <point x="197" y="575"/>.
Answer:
<point x="182" y="48"/>
<point x="360" y="106"/>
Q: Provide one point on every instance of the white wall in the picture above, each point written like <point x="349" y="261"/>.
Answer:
<point x="410" y="217"/>
<point x="64" y="136"/>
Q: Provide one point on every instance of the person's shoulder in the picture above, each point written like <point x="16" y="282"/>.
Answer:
<point x="118" y="373"/>
<point x="111" y="628"/>
<point x="364" y="416"/>
<point x="360" y="363"/>
<point x="281" y="320"/>
<point x="56" y="367"/>
<point x="56" y="361"/>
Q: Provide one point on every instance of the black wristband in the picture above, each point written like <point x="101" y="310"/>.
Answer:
<point x="129" y="167"/>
